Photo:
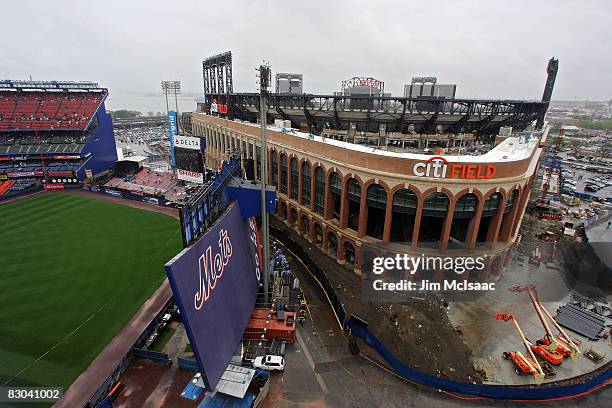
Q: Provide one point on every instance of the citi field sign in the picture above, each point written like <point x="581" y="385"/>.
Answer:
<point x="438" y="167"/>
<point x="215" y="283"/>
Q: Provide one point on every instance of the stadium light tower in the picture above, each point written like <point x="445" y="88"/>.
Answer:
<point x="265" y="77"/>
<point x="171" y="88"/>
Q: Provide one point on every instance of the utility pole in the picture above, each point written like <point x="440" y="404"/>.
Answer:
<point x="264" y="83"/>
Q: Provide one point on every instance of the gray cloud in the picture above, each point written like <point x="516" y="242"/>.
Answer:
<point x="489" y="48"/>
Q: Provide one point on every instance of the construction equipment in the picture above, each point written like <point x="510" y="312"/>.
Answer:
<point x="562" y="344"/>
<point x="594" y="356"/>
<point x="523" y="364"/>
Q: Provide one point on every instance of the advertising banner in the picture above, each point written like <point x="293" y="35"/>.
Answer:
<point x="50" y="186"/>
<point x="187" y="142"/>
<point x="16" y="174"/>
<point x="215" y="283"/>
<point x="192" y="176"/>
<point x="173" y="129"/>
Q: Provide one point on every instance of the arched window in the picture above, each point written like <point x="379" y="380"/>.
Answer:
<point x="466" y="206"/>
<point x="274" y="167"/>
<point x="491" y="205"/>
<point x="306" y="184"/>
<point x="510" y="201"/>
<point x="319" y="190"/>
<point x="335" y="190"/>
<point x="435" y="205"/>
<point x="295" y="174"/>
<point x="284" y="175"/>
<point x="353" y="196"/>
<point x="405" y="201"/>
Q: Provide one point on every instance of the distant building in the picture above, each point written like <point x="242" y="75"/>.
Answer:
<point x="429" y="87"/>
<point x="289" y="83"/>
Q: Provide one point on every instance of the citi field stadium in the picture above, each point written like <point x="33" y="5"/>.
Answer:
<point x="415" y="173"/>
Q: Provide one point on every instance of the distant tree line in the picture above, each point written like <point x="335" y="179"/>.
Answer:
<point x="128" y="114"/>
<point x="586" y="122"/>
<point x="125" y="114"/>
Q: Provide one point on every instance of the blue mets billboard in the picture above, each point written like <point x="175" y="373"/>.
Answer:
<point x="215" y="283"/>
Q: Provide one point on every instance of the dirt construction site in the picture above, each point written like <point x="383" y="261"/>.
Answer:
<point x="463" y="340"/>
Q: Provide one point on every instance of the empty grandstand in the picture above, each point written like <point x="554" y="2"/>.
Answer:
<point x="151" y="183"/>
<point x="52" y="132"/>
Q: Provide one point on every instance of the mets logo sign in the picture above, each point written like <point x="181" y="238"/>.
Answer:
<point x="438" y="167"/>
<point x="211" y="267"/>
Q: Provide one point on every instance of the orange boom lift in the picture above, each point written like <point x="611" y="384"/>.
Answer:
<point x="524" y="365"/>
<point x="561" y="344"/>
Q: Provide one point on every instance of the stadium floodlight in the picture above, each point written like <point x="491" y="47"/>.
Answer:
<point x="171" y="88"/>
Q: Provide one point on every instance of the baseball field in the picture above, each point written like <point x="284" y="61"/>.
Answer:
<point x="73" y="271"/>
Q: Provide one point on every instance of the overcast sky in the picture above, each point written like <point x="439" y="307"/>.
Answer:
<point x="488" y="48"/>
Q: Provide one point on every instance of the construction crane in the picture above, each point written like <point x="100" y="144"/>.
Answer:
<point x="561" y="344"/>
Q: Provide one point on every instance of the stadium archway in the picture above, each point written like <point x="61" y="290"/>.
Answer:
<point x="318" y="234"/>
<point x="353" y="197"/>
<point x="305" y="226"/>
<point x="376" y="201"/>
<point x="306" y="184"/>
<point x="405" y="205"/>
<point x="294" y="216"/>
<point x="332" y="244"/>
<point x="282" y="210"/>
<point x="349" y="251"/>
<point x="435" y="208"/>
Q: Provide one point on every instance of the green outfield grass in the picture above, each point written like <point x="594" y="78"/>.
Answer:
<point x="73" y="271"/>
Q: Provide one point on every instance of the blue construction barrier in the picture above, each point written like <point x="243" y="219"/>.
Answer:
<point x="154" y="356"/>
<point x="188" y="364"/>
<point x="536" y="392"/>
<point x="105" y="403"/>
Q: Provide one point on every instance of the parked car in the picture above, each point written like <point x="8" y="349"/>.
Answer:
<point x="269" y="362"/>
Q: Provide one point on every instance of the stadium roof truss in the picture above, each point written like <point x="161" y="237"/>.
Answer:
<point x="425" y="114"/>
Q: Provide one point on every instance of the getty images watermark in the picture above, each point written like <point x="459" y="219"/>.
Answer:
<point x="386" y="270"/>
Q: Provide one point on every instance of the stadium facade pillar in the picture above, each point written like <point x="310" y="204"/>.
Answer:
<point x="448" y="222"/>
<point x="521" y="210"/>
<point x="279" y="168"/>
<point x="363" y="216"/>
<point x="325" y="240"/>
<point x="289" y="195"/>
<point x="388" y="219"/>
<point x="472" y="234"/>
<point x="417" y="223"/>
<point x="344" y="205"/>
<point x="508" y="222"/>
<point x="327" y="210"/>
<point x="495" y="224"/>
